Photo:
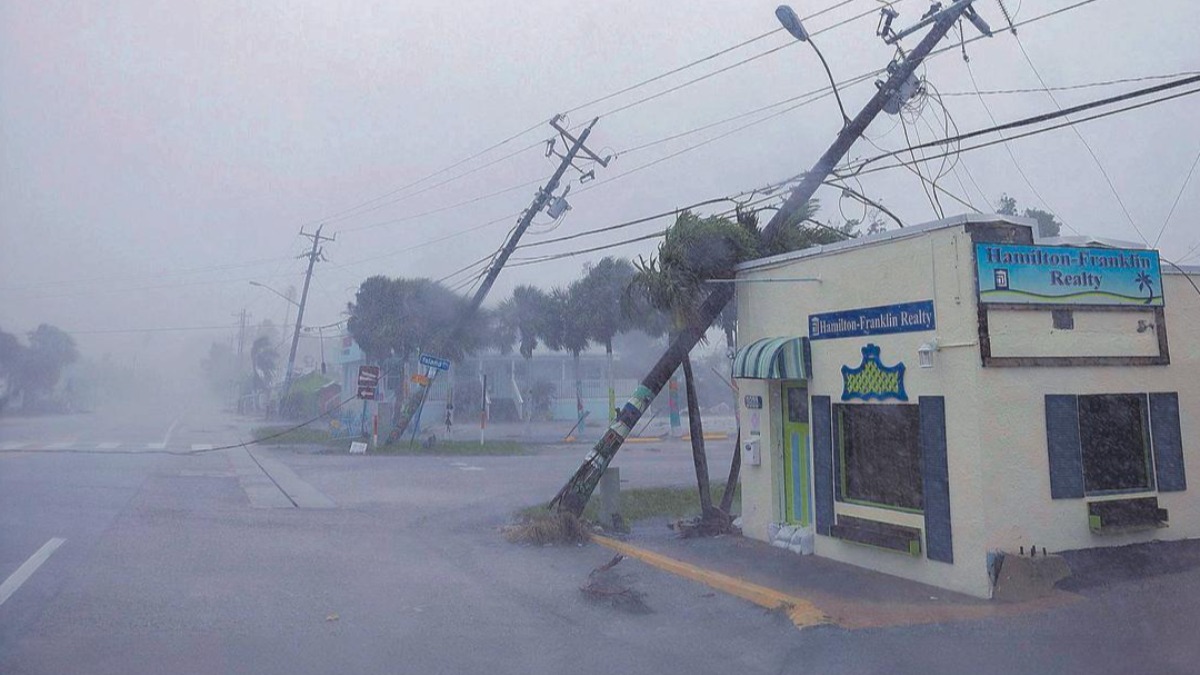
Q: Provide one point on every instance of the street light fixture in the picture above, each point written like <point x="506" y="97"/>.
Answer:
<point x="792" y="24"/>
<point x="255" y="283"/>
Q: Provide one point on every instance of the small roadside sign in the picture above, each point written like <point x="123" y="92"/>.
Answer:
<point x="368" y="382"/>
<point x="420" y="379"/>
<point x="436" y="362"/>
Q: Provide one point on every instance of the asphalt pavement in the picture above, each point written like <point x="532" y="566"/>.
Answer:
<point x="268" y="560"/>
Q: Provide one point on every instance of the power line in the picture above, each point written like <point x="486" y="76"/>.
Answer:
<point x="442" y="209"/>
<point x="1036" y="119"/>
<point x="807" y="97"/>
<point x="431" y="175"/>
<point x="177" y="329"/>
<point x="816" y="94"/>
<point x="1175" y="203"/>
<point x="737" y="64"/>
<point x="1035" y="132"/>
<point x="1011" y="154"/>
<point x="361" y="206"/>
<point x="1071" y="87"/>
<point x="1095" y="158"/>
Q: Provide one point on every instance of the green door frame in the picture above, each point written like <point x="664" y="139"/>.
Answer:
<point x="797" y="453"/>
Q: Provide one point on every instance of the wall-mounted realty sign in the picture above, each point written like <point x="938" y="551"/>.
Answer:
<point x="873" y="381"/>
<point x="1057" y="275"/>
<point x="903" y="318"/>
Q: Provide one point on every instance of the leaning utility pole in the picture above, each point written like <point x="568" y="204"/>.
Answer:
<point x="573" y="497"/>
<point x="544" y="195"/>
<point x="313" y="255"/>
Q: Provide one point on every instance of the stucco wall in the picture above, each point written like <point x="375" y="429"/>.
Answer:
<point x="1013" y="427"/>
<point x="995" y="417"/>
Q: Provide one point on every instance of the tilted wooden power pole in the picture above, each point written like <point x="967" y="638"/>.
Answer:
<point x="575" y="147"/>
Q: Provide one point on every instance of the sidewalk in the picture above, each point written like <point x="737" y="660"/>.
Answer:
<point x="848" y="596"/>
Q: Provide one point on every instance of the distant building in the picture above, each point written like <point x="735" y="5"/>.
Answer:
<point x="919" y="400"/>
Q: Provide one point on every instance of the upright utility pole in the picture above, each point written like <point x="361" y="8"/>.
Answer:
<point x="241" y="348"/>
<point x="313" y="255"/>
<point x="241" y="345"/>
<point x="544" y="196"/>
<point x="573" y="497"/>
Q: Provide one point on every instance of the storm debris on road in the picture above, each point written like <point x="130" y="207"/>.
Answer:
<point x="548" y="528"/>
<point x="607" y="586"/>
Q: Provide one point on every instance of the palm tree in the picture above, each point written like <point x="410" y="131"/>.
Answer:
<point x="566" y="328"/>
<point x="264" y="359"/>
<point x="694" y="251"/>
<point x="523" y="317"/>
<point x="716" y="258"/>
<point x="602" y="288"/>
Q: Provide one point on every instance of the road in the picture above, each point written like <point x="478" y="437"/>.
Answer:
<point x="270" y="561"/>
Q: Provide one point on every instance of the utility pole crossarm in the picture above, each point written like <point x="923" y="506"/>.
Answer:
<point x="573" y="497"/>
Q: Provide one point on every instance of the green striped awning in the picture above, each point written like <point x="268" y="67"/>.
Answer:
<point x="783" y="358"/>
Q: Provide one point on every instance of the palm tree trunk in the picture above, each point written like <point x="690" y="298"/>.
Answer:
<point x="612" y="389"/>
<point x="735" y="470"/>
<point x="528" y="411"/>
<point x="696" y="428"/>
<point x="578" y="392"/>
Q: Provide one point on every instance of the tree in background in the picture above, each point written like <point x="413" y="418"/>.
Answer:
<point x="40" y="365"/>
<point x="264" y="361"/>
<point x="1047" y="224"/>
<point x="601" y="291"/>
<point x="522" y="317"/>
<point x="566" y="329"/>
<point x="221" y="368"/>
<point x="395" y="318"/>
<point x="10" y="354"/>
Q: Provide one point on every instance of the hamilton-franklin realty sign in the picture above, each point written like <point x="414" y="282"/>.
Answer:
<point x="1040" y="275"/>
<point x="903" y="318"/>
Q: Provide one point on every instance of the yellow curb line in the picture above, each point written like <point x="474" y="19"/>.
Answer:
<point x="802" y="612"/>
<point x="643" y="439"/>
<point x="714" y="436"/>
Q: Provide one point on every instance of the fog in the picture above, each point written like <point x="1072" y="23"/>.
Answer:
<point x="157" y="157"/>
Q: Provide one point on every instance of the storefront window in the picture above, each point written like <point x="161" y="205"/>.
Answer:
<point x="1115" y="443"/>
<point x="880" y="455"/>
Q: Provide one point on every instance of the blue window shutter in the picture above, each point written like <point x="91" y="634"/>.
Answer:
<point x="822" y="431"/>
<point x="1167" y="441"/>
<point x="935" y="479"/>
<point x="1062" y="442"/>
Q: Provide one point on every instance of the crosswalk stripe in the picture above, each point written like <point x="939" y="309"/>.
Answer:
<point x="156" y="446"/>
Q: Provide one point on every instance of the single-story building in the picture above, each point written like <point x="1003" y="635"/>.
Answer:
<point x="919" y="400"/>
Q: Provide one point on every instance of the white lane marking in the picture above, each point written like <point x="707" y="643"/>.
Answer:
<point x="62" y="445"/>
<point x="459" y="464"/>
<point x="202" y="446"/>
<point x="170" y="430"/>
<point x="108" y="446"/>
<point x="156" y="446"/>
<point x="12" y="446"/>
<point x="26" y="570"/>
<point x="470" y="468"/>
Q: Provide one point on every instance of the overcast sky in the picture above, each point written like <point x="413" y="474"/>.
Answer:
<point x="155" y="157"/>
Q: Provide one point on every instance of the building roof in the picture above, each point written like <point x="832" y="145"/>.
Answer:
<point x="881" y="237"/>
<point x="945" y="223"/>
